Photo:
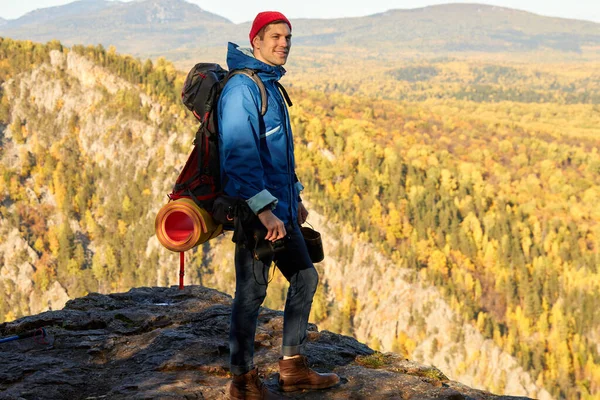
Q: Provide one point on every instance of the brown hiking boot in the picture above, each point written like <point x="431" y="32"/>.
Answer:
<point x="250" y="387"/>
<point x="294" y="374"/>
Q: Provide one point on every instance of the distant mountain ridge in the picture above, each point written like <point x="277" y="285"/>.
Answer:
<point x="133" y="12"/>
<point x="149" y="28"/>
<point x="143" y="28"/>
<point x="57" y="13"/>
<point x="457" y="27"/>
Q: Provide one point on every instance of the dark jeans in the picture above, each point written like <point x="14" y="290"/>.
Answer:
<point x="251" y="289"/>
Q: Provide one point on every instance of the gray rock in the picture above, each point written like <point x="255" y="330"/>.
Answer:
<point x="163" y="343"/>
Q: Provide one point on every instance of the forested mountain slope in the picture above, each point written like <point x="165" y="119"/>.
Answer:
<point x="492" y="205"/>
<point x="87" y="158"/>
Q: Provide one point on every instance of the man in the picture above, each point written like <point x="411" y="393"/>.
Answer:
<point x="257" y="164"/>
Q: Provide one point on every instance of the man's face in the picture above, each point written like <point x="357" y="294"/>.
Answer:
<point x="274" y="48"/>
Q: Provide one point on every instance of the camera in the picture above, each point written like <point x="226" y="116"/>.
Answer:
<point x="265" y="249"/>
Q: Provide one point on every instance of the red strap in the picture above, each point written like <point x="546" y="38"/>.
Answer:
<point x="181" y="269"/>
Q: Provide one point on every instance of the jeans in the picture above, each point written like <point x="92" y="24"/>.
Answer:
<point x="251" y="289"/>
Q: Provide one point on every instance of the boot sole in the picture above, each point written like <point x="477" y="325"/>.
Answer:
<point x="293" y="388"/>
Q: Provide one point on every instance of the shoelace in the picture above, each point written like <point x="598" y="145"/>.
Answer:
<point x="305" y="361"/>
<point x="259" y="384"/>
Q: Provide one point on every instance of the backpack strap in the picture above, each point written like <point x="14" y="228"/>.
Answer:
<point x="285" y="94"/>
<point x="252" y="74"/>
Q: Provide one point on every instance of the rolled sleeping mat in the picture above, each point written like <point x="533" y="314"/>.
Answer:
<point x="181" y="225"/>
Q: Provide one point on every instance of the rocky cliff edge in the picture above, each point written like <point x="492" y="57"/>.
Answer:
<point x="165" y="343"/>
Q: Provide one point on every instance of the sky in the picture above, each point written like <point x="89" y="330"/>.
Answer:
<point x="245" y="10"/>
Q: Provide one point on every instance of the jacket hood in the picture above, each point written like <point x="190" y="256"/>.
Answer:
<point x="238" y="58"/>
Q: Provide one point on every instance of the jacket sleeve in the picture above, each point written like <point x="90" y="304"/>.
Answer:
<point x="299" y="186"/>
<point x="240" y="146"/>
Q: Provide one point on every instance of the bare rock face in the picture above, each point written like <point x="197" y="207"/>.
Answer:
<point x="163" y="343"/>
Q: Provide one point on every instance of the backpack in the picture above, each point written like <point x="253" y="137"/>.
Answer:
<point x="200" y="179"/>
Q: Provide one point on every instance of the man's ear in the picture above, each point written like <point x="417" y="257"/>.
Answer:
<point x="256" y="43"/>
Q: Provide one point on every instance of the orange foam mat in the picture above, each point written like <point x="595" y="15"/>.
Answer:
<point x="181" y="225"/>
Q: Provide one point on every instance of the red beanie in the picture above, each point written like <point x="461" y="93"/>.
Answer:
<point x="265" y="18"/>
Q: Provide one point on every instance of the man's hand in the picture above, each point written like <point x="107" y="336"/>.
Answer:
<point x="302" y="213"/>
<point x="275" y="227"/>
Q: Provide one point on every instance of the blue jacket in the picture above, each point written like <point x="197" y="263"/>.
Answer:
<point x="257" y="152"/>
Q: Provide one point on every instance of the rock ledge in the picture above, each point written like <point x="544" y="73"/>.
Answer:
<point x="163" y="343"/>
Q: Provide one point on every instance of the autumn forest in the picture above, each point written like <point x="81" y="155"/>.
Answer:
<point x="480" y="175"/>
